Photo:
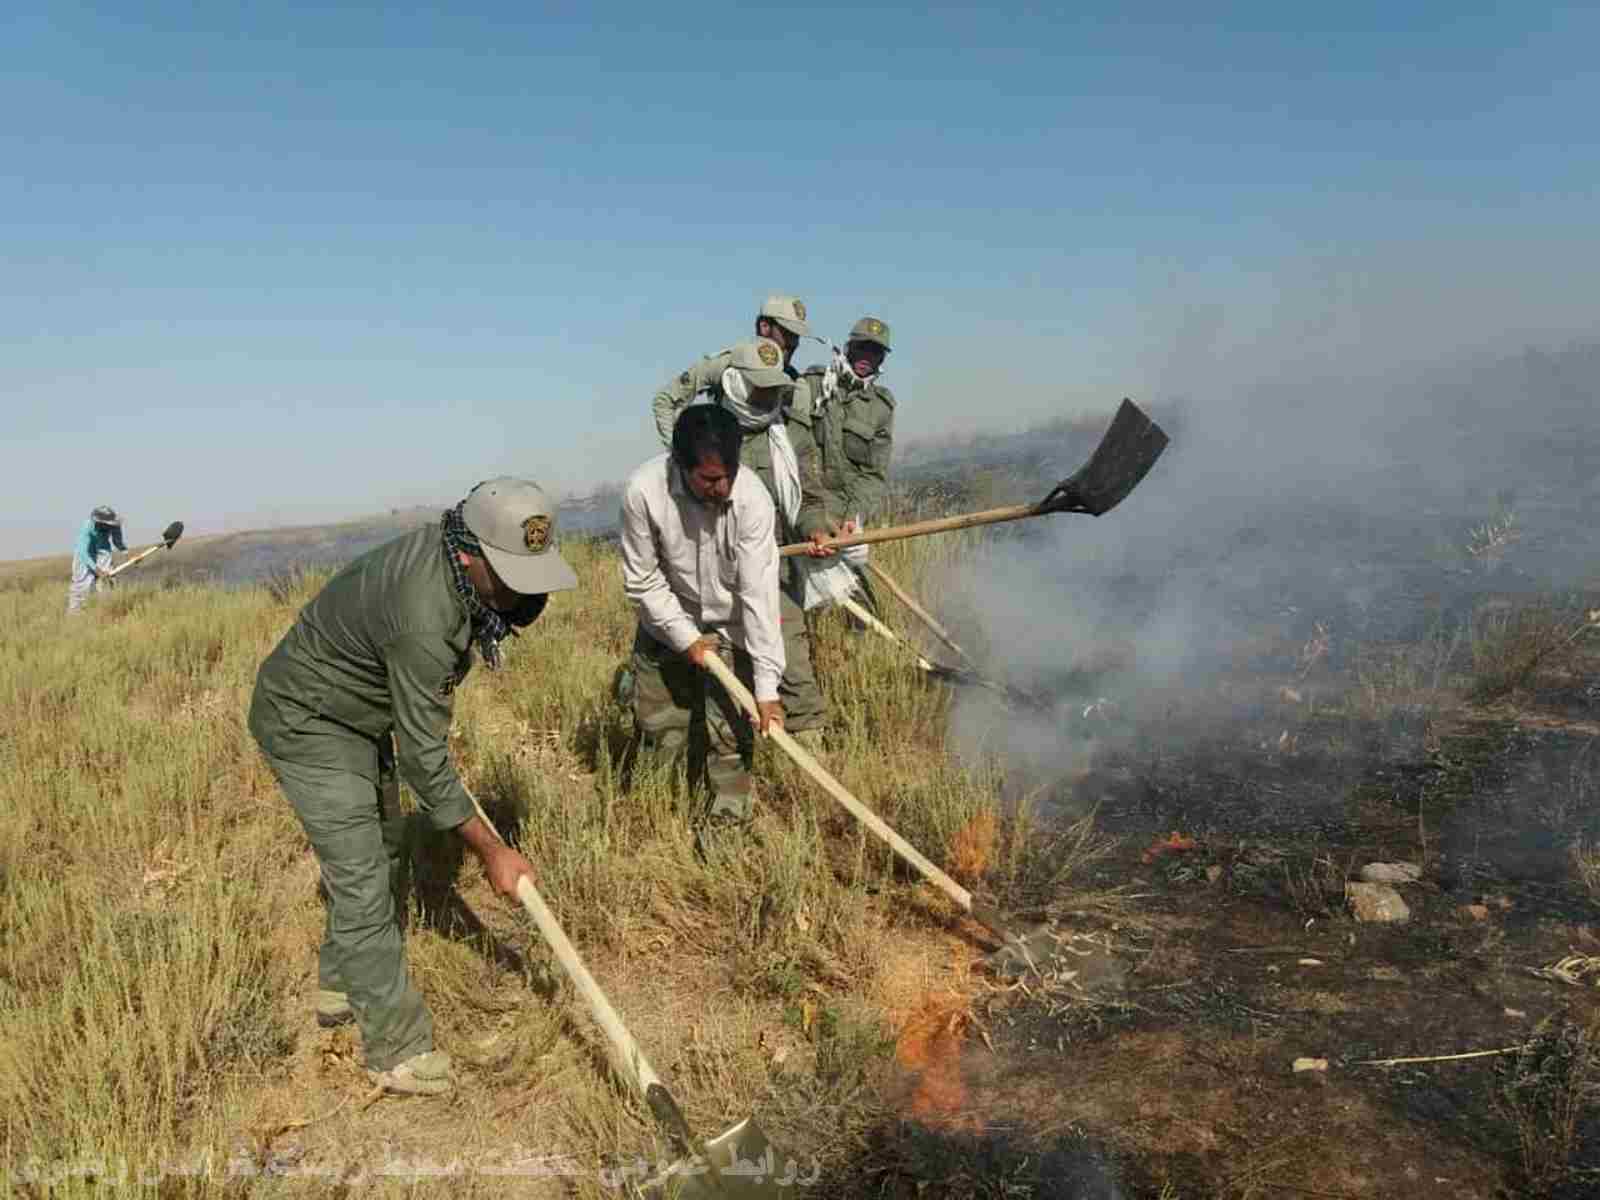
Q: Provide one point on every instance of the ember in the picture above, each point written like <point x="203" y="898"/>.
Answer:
<point x="1176" y="843"/>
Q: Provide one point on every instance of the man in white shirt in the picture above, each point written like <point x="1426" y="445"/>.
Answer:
<point x="700" y="566"/>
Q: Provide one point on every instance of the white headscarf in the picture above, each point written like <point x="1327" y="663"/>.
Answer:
<point x="824" y="581"/>
<point x="785" y="465"/>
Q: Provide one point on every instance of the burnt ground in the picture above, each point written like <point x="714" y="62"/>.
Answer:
<point x="1342" y="721"/>
<point x="1172" y="1074"/>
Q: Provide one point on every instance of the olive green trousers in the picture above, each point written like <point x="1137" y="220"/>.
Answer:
<point x="360" y="839"/>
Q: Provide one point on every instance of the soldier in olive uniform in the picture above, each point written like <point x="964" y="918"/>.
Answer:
<point x="363" y="682"/>
<point x="782" y="319"/>
<point x="853" y="420"/>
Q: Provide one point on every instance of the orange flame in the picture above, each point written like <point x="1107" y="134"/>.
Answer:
<point x="1176" y="844"/>
<point x="930" y="1046"/>
<point x="973" y="846"/>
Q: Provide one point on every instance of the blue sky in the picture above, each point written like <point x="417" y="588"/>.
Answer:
<point x="274" y="263"/>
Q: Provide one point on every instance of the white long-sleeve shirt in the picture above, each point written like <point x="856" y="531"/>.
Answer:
<point x="691" y="568"/>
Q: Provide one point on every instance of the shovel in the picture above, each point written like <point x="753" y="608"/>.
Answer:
<point x="169" y="538"/>
<point x="1124" y="456"/>
<point x="922" y="614"/>
<point x="736" y="1163"/>
<point x="938" y="670"/>
<point x="1027" y="949"/>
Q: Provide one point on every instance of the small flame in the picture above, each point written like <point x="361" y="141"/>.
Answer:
<point x="930" y="1046"/>
<point x="973" y="846"/>
<point x="1178" y="843"/>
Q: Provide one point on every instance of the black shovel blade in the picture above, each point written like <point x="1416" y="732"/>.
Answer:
<point x="172" y="533"/>
<point x="748" y="1167"/>
<point x="1124" y="456"/>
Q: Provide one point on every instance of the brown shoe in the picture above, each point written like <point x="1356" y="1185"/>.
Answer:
<point x="425" y="1074"/>
<point x="333" y="1009"/>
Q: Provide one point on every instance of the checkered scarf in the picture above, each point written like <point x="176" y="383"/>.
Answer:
<point x="489" y="628"/>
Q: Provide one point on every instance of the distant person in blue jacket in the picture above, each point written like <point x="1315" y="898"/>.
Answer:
<point x="91" y="557"/>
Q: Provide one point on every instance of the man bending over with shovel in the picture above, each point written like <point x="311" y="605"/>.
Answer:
<point x="365" y="679"/>
<point x="700" y="565"/>
<point x="91" y="556"/>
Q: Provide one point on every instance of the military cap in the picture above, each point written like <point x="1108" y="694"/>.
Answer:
<point x="760" y="361"/>
<point x="788" y="311"/>
<point x="870" y="329"/>
<point x="515" y="523"/>
<point x="104" y="514"/>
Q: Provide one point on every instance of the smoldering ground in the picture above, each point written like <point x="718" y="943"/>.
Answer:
<point x="1293" y="520"/>
<point x="1219" y="658"/>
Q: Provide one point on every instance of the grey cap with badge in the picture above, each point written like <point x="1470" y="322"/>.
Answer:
<point x="870" y="329"/>
<point x="788" y="311"/>
<point x="760" y="361"/>
<point x="515" y="522"/>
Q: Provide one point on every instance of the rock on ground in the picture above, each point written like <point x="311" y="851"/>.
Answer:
<point x="1376" y="902"/>
<point x="1391" y="872"/>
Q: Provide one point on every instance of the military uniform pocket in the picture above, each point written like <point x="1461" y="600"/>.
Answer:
<point x="858" y="439"/>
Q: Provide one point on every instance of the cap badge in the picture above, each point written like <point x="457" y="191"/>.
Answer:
<point x="536" y="534"/>
<point x="874" y="326"/>
<point x="768" y="354"/>
<point x="799" y="310"/>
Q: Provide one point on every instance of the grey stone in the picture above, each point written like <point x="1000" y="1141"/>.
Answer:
<point x="1376" y="902"/>
<point x="1391" y="872"/>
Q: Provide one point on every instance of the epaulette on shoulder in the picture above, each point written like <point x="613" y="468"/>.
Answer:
<point x="801" y="405"/>
<point x="688" y="376"/>
<point x="888" y="396"/>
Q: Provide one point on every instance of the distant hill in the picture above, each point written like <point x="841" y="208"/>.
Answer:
<point x="1505" y="425"/>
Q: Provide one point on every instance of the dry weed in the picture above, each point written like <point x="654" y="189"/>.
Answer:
<point x="158" y="919"/>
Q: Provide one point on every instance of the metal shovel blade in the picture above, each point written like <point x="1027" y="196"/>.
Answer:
<point x="171" y="534"/>
<point x="1022" y="952"/>
<point x="1124" y="456"/>
<point x="747" y="1167"/>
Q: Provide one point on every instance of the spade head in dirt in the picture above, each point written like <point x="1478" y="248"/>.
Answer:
<point x="748" y="1167"/>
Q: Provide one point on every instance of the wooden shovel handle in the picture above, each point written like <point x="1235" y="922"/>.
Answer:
<point x="892" y="533"/>
<point x="624" y="1048"/>
<point x="128" y="562"/>
<point x="630" y="1060"/>
<point x="922" y="614"/>
<point x="855" y="609"/>
<point x="741" y="696"/>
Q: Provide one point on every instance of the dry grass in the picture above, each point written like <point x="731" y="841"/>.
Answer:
<point x="1488" y="543"/>
<point x="158" y="919"/>
<point x="1586" y="865"/>
<point x="1415" y="676"/>
<point x="1550" y="1094"/>
<point x="1510" y="644"/>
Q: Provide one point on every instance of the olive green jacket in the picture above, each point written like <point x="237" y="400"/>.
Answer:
<point x="704" y="376"/>
<point x="380" y="649"/>
<point x="855" y="434"/>
<point x="672" y="399"/>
